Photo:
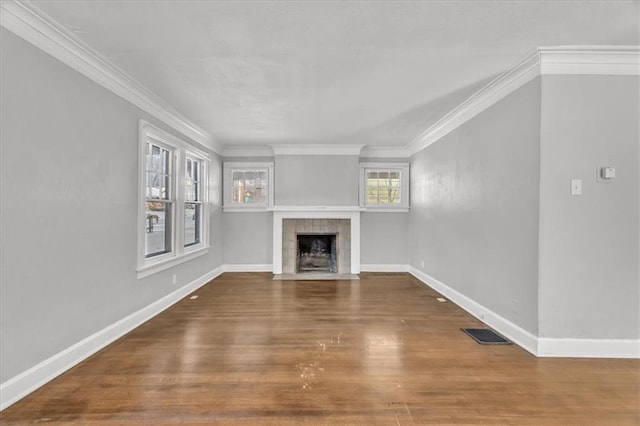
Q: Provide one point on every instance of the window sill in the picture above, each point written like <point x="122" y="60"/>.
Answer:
<point x="386" y="209"/>
<point x="154" y="268"/>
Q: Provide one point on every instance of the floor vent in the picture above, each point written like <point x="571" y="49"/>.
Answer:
<point x="484" y="336"/>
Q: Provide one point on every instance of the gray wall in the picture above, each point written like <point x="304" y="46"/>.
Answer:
<point x="383" y="238"/>
<point x="316" y="180"/>
<point x="68" y="209"/>
<point x="474" y="212"/>
<point x="248" y="238"/>
<point x="589" y="284"/>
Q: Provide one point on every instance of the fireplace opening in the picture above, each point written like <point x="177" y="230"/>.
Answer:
<point x="316" y="253"/>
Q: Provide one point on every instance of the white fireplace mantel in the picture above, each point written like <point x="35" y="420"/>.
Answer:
<point x="316" y="212"/>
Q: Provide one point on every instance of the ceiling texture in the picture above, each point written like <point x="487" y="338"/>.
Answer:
<point x="329" y="72"/>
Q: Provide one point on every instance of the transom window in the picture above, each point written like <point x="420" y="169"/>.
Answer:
<point x="248" y="185"/>
<point x="384" y="186"/>
<point x="172" y="220"/>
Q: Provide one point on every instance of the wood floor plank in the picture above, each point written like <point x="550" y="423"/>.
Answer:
<point x="379" y="350"/>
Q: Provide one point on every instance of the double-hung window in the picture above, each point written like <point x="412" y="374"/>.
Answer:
<point x="193" y="201"/>
<point x="172" y="220"/>
<point x="248" y="186"/>
<point x="159" y="202"/>
<point x="384" y="186"/>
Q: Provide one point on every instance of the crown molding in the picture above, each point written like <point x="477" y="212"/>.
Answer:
<point x="560" y="60"/>
<point x="501" y="86"/>
<point x="247" y="151"/>
<point x="28" y="22"/>
<point x="590" y="60"/>
<point x="316" y="149"/>
<point x="385" y="152"/>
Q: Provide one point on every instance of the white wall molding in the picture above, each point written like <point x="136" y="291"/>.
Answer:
<point x="589" y="348"/>
<point x="26" y="382"/>
<point x="497" y="89"/>
<point x="316" y="149"/>
<point x="590" y="60"/>
<point x="247" y="151"/>
<point x="513" y="332"/>
<point x="385" y="152"/>
<point x="27" y="21"/>
<point x="248" y="267"/>
<point x="561" y="60"/>
<point x="384" y="267"/>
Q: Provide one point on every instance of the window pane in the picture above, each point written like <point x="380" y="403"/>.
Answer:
<point x="155" y="158"/>
<point x="383" y="187"/>
<point x="192" y="223"/>
<point x="165" y="161"/>
<point x="158" y="228"/>
<point x="250" y="187"/>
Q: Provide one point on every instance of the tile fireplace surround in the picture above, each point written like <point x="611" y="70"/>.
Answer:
<point x="343" y="220"/>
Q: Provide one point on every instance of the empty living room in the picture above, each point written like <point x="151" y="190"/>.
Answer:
<point x="320" y="212"/>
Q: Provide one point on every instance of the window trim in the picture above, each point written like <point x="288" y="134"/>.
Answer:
<point x="403" y="169"/>
<point x="180" y="150"/>
<point x="228" y="168"/>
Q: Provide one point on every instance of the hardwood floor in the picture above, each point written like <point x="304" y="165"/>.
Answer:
<point x="381" y="350"/>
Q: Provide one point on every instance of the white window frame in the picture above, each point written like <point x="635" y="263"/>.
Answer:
<point x="146" y="266"/>
<point x="403" y="169"/>
<point x="228" y="168"/>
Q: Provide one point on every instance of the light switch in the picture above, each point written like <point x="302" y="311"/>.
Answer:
<point x="576" y="186"/>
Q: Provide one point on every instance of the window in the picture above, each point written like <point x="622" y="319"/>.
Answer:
<point x="384" y="186"/>
<point x="159" y="201"/>
<point x="193" y="202"/>
<point x="248" y="186"/>
<point x="172" y="219"/>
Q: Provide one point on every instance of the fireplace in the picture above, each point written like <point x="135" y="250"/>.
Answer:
<point x="316" y="253"/>
<point x="341" y="224"/>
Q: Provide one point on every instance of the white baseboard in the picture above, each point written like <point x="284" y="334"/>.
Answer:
<point x="267" y="267"/>
<point x="516" y="334"/>
<point x="26" y="382"/>
<point x="588" y="348"/>
<point x="249" y="267"/>
<point x="384" y="268"/>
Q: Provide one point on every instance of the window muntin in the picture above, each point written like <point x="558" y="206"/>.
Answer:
<point x="384" y="186"/>
<point x="248" y="186"/>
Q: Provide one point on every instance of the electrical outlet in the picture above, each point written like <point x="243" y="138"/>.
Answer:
<point x="422" y="264"/>
<point x="174" y="279"/>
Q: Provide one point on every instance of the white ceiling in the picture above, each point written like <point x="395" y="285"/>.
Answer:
<point x="375" y="73"/>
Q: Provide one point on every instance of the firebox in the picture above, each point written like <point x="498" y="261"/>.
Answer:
<point x="316" y="253"/>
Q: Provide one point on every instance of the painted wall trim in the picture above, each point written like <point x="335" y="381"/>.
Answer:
<point x="316" y="149"/>
<point x="515" y="333"/>
<point x="245" y="267"/>
<point x="384" y="268"/>
<point x="26" y="382"/>
<point x="589" y="348"/>
<point x="560" y="60"/>
<point x="590" y="60"/>
<point x="385" y="152"/>
<point x="30" y="23"/>
<point x="247" y="151"/>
